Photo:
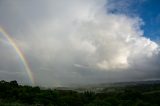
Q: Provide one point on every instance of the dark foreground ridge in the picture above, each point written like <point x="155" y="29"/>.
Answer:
<point x="141" y="94"/>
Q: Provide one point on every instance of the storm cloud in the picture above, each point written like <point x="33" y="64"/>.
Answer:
<point x="75" y="42"/>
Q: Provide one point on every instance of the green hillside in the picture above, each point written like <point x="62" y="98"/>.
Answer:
<point x="12" y="94"/>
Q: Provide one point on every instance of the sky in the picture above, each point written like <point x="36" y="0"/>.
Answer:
<point x="147" y="10"/>
<point x="57" y="43"/>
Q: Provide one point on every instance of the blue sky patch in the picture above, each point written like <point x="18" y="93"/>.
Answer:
<point x="147" y="10"/>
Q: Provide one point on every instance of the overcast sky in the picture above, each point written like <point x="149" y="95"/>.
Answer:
<point x="72" y="42"/>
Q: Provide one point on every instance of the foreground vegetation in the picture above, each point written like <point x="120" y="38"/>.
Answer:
<point x="12" y="94"/>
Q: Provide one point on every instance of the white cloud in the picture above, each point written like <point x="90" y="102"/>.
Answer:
<point x="77" y="39"/>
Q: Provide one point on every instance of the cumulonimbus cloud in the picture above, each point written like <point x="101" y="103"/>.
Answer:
<point x="80" y="42"/>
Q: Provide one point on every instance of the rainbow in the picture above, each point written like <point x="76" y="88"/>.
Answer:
<point x="19" y="53"/>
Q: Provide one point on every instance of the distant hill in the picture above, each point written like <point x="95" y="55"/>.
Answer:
<point x="100" y="87"/>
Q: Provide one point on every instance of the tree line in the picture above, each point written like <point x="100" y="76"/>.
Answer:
<point x="13" y="94"/>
